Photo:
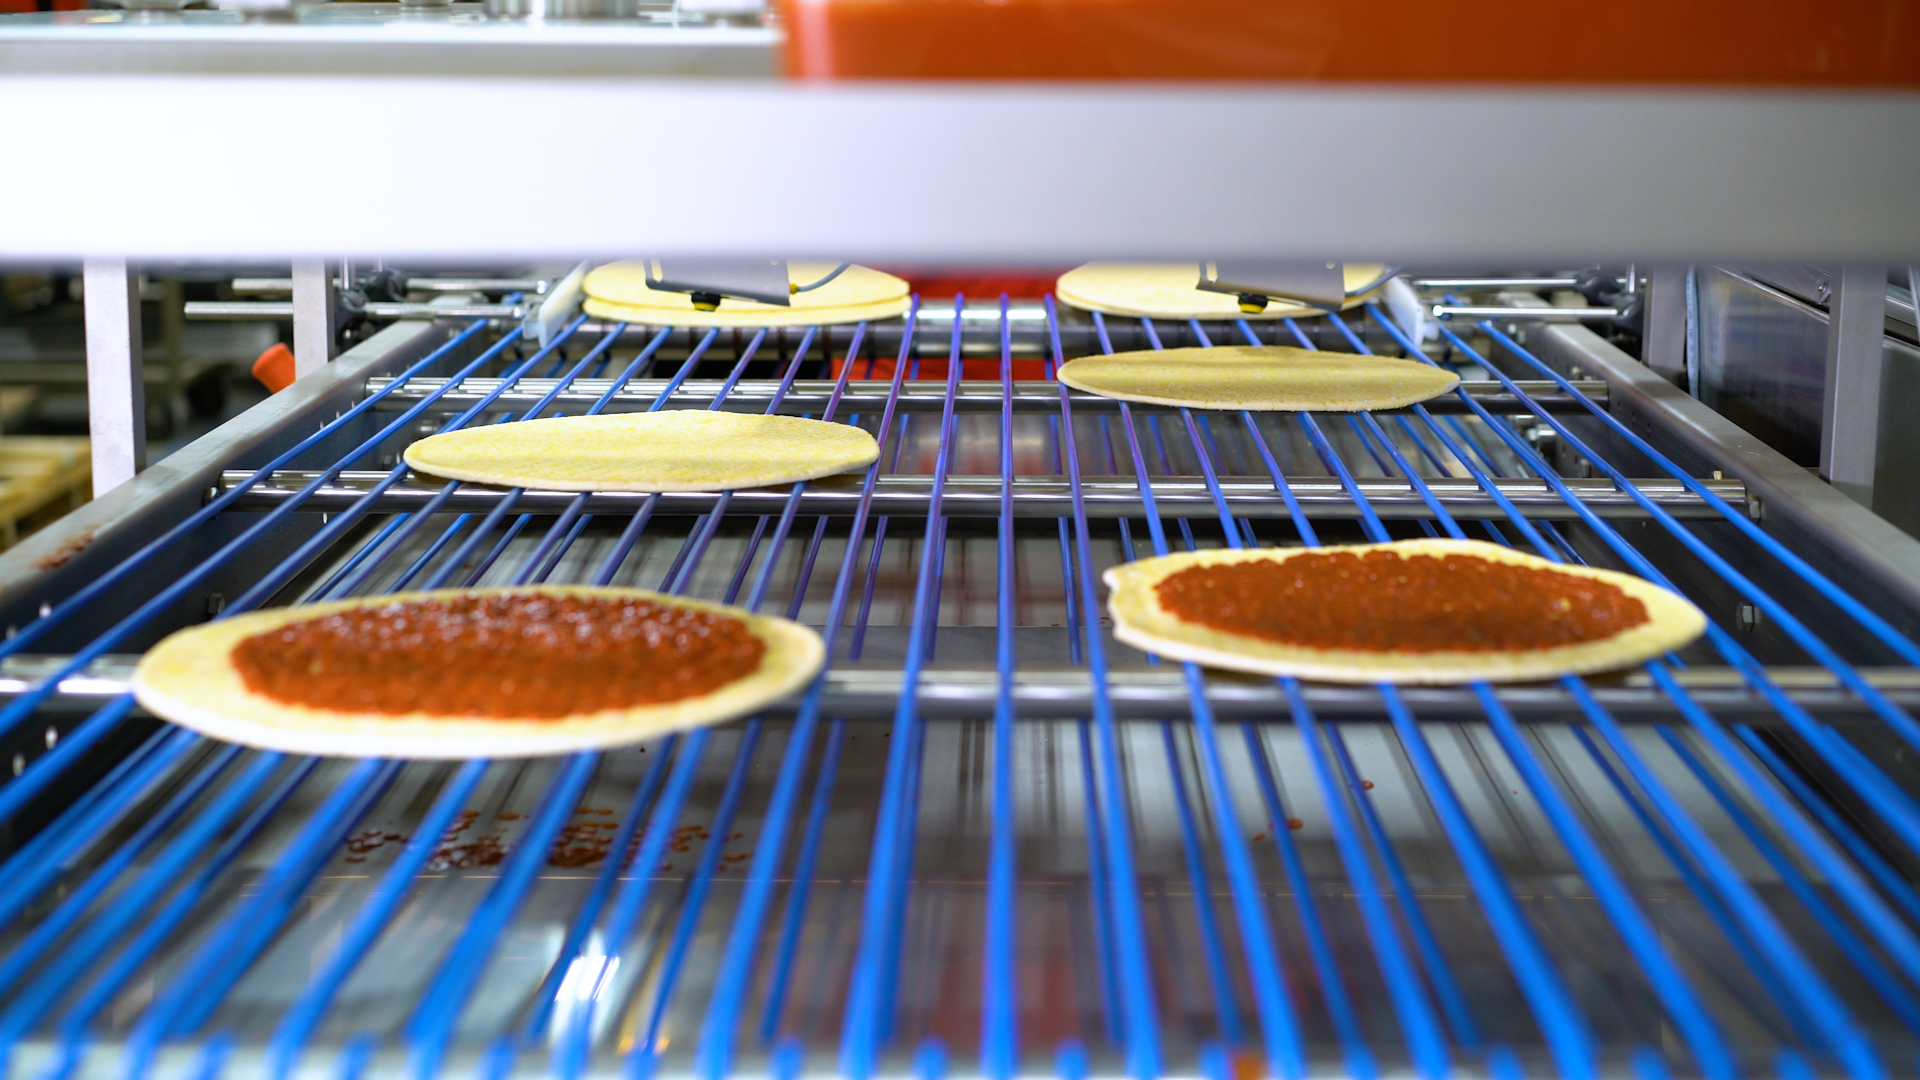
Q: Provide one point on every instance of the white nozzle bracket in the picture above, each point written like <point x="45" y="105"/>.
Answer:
<point x="556" y="307"/>
<point x="1405" y="307"/>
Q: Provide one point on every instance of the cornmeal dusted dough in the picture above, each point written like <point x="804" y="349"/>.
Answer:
<point x="190" y="679"/>
<point x="1141" y="621"/>
<point x="1166" y="291"/>
<point x="619" y="291"/>
<point x="1259" y="377"/>
<point x="676" y="450"/>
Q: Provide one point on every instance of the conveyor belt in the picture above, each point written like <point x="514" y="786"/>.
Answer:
<point x="990" y="842"/>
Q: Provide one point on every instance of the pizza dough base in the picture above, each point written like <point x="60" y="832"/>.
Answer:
<point x="1166" y="291"/>
<point x="1140" y="621"/>
<point x="189" y="679"/>
<point x="675" y="450"/>
<point x="1265" y="378"/>
<point x="619" y="291"/>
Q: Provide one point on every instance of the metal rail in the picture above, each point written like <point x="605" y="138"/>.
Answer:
<point x="1190" y="935"/>
<point x="246" y="310"/>
<point x="979" y="496"/>
<point x="871" y="693"/>
<point x="808" y="396"/>
<point x="255" y="286"/>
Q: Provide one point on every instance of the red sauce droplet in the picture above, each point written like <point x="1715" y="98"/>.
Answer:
<point x="510" y="655"/>
<point x="1295" y="823"/>
<point x="1367" y="784"/>
<point x="1380" y="601"/>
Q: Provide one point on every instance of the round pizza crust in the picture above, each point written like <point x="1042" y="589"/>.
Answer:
<point x="189" y="678"/>
<point x="1264" y="378"/>
<point x="619" y="291"/>
<point x="674" y="450"/>
<point x="1166" y="291"/>
<point x="1140" y="621"/>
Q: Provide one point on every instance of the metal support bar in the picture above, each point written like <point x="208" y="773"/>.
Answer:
<point x="254" y="310"/>
<point x="1541" y="314"/>
<point x="116" y="382"/>
<point x="1664" y="345"/>
<point x="1493" y="284"/>
<point x="871" y="693"/>
<point x="810" y="396"/>
<point x="1850" y="406"/>
<point x="269" y="286"/>
<point x="978" y="496"/>
<point x="312" y="313"/>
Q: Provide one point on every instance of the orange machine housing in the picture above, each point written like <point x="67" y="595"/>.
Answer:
<point x="1758" y="43"/>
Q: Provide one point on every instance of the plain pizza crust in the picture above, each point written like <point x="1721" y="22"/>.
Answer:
<point x="675" y="450"/>
<point x="189" y="679"/>
<point x="619" y="291"/>
<point x="1140" y="621"/>
<point x="1259" y="377"/>
<point x="1166" y="291"/>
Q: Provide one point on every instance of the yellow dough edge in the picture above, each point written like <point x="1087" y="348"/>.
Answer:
<point x="1140" y="621"/>
<point x="1205" y="306"/>
<point x="747" y="318"/>
<point x="424" y="457"/>
<point x="619" y="291"/>
<point x="625" y="282"/>
<point x="189" y="679"/>
<point x="1261" y="395"/>
<point x="1273" y="311"/>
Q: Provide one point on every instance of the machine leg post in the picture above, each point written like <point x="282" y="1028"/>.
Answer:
<point x="116" y="380"/>
<point x="1664" y="345"/>
<point x="313" y="298"/>
<point x="1850" y="414"/>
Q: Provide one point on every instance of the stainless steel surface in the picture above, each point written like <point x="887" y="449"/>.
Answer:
<point x="312" y="311"/>
<point x="116" y="373"/>
<point x="1854" y="389"/>
<point x="1317" y="283"/>
<point x="1033" y="496"/>
<point x="1762" y="361"/>
<point x="355" y="41"/>
<point x="1814" y="284"/>
<point x="862" y="396"/>
<point x="1850" y="542"/>
<point x="563" y="9"/>
<point x="1763" y="364"/>
<point x="952" y="151"/>
<point x="48" y="564"/>
<point x="760" y="279"/>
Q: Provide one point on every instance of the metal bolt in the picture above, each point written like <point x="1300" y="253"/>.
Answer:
<point x="19" y="764"/>
<point x="1749" y="617"/>
<point x="53" y="737"/>
<point x="216" y="603"/>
